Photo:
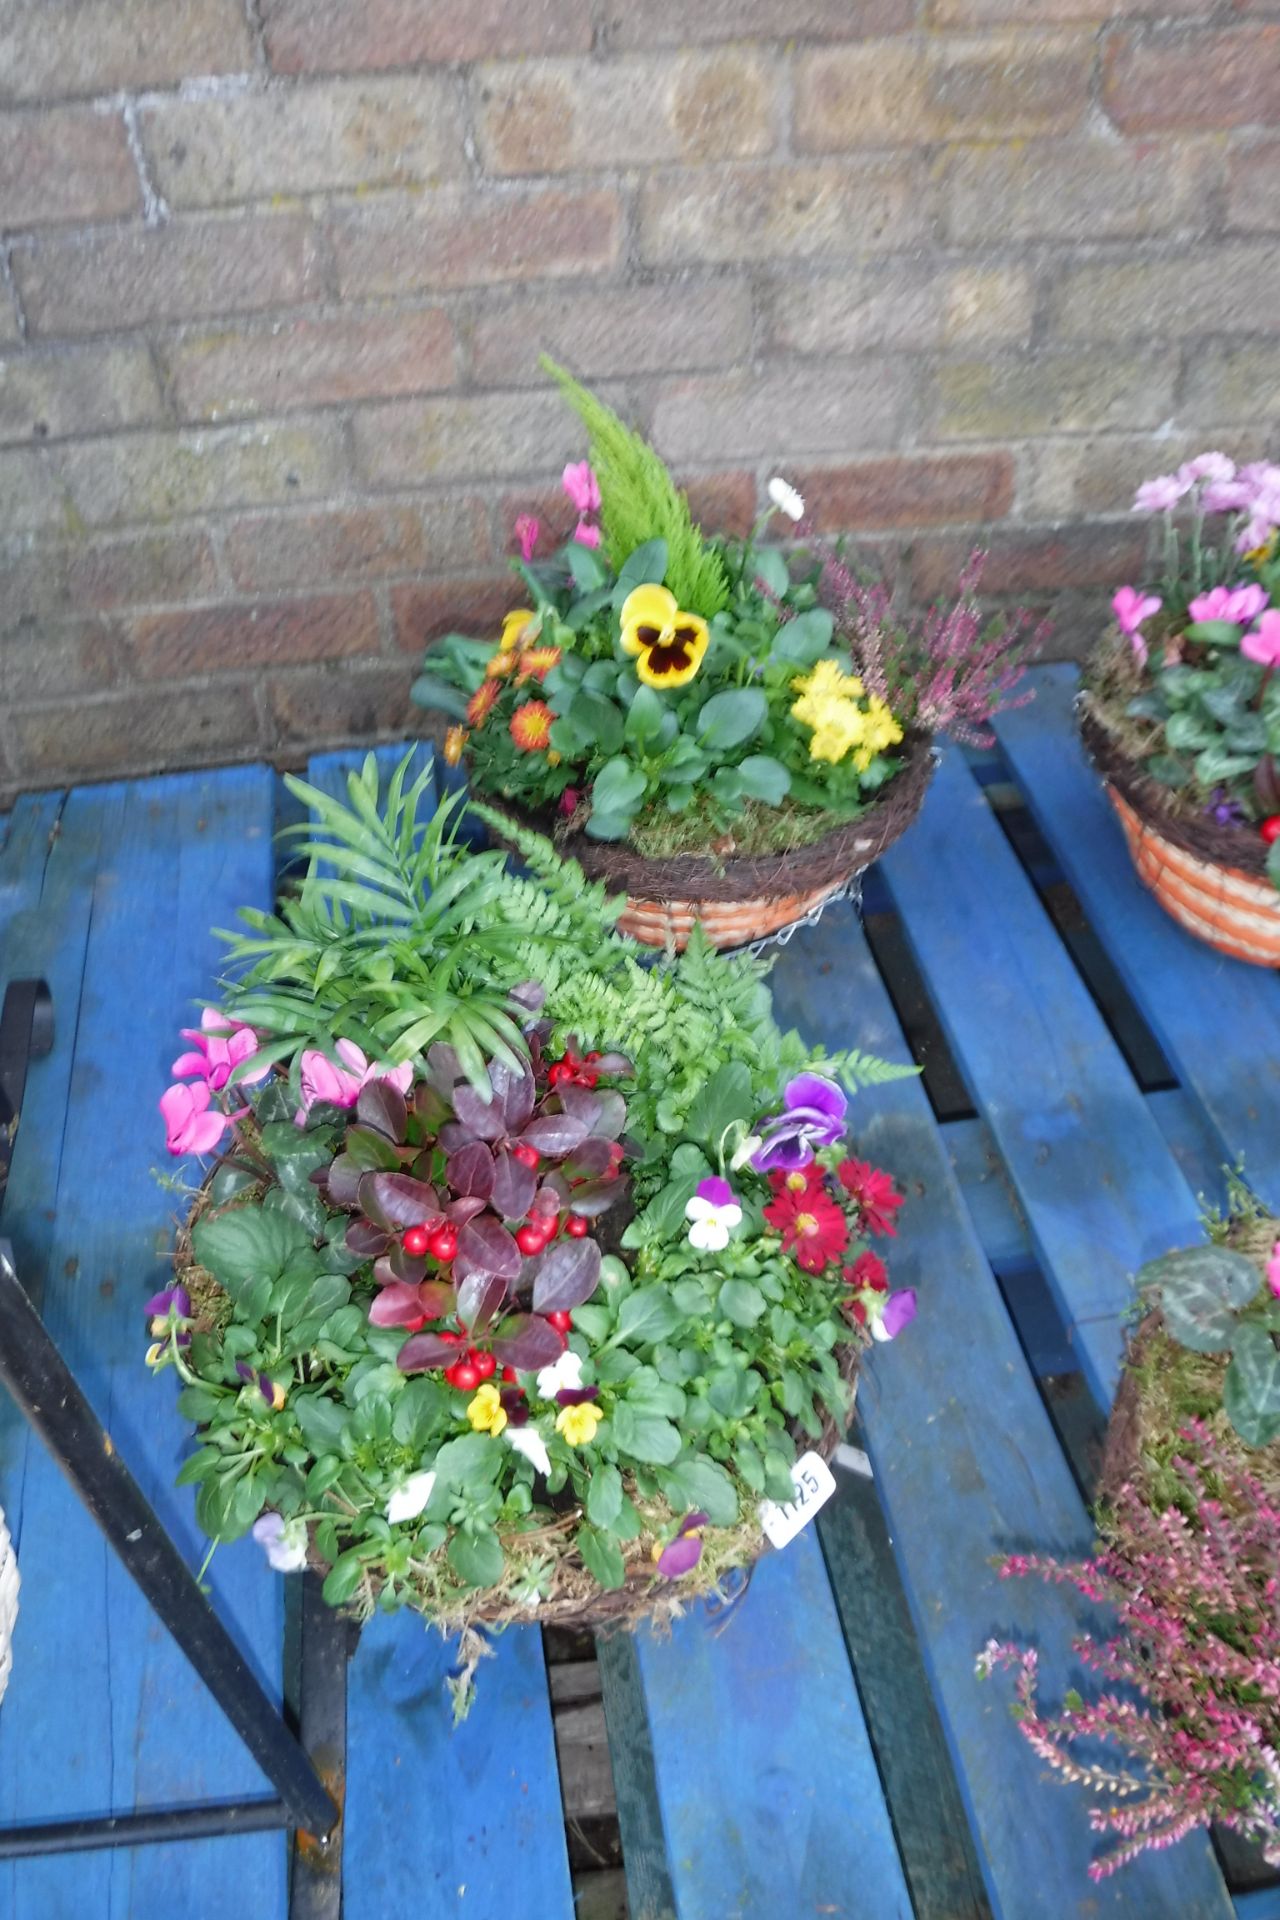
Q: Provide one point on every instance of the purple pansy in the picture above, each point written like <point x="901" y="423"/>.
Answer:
<point x="576" y="1396"/>
<point x="813" y="1115"/>
<point x="271" y="1390"/>
<point x="170" y="1309"/>
<point x="899" y="1312"/>
<point x="683" y="1553"/>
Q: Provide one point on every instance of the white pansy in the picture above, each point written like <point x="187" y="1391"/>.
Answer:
<point x="565" y="1374"/>
<point x="785" y="498"/>
<point x="712" y="1223"/>
<point x="529" y="1442"/>
<point x="751" y="1145"/>
<point x="407" y="1501"/>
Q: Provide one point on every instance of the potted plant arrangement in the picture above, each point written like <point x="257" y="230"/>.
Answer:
<point x="1181" y="709"/>
<point x="1189" y="1557"/>
<point x="522" y="1272"/>
<point x="723" y="732"/>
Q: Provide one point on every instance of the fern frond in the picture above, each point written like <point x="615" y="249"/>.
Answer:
<point x="640" y="501"/>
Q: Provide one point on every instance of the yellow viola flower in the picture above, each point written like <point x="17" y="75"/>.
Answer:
<point x="578" y="1424"/>
<point x="668" y="645"/>
<point x="454" y="742"/>
<point x="485" y="1410"/>
<point x="832" y="703"/>
<point x="519" y="627"/>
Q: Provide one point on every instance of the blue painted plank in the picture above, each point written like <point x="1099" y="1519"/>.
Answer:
<point x="103" y="1712"/>
<point x="1263" y="1903"/>
<point x="438" y="1820"/>
<point x="329" y="771"/>
<point x="1217" y="1020"/>
<point x="25" y="837"/>
<point x="967" y="1465"/>
<point x="771" y="1802"/>
<point x="1093" y="1175"/>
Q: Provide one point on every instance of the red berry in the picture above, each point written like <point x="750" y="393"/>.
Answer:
<point x="578" y="1226"/>
<point x="594" y="1054"/>
<point x="558" y="1071"/>
<point x="484" y="1364"/>
<point x="454" y="1339"/>
<point x="527" y="1156"/>
<point x="530" y="1239"/>
<point x="561" y="1321"/>
<point x="416" y="1241"/>
<point x="1270" y="828"/>
<point x="617" y="1152"/>
<point x="443" y="1244"/>
<point x="463" y="1374"/>
<point x="509" y="1375"/>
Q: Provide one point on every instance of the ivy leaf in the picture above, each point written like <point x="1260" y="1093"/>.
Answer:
<point x="476" y="1558"/>
<point x="601" y="1556"/>
<point x="1255" y="1428"/>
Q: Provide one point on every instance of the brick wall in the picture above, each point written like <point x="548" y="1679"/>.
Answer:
<point x="276" y="273"/>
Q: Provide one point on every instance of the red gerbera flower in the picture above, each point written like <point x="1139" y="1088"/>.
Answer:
<point x="874" y="1192"/>
<point x="531" y="726"/>
<point x="868" y="1271"/>
<point x="813" y="1228"/>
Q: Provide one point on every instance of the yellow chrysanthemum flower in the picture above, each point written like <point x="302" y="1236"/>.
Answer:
<point x="485" y="1410"/>
<point x="578" y="1424"/>
<point x="668" y="645"/>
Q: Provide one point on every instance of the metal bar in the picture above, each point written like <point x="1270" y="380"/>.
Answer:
<point x="26" y="1033"/>
<point x="144" y="1829"/>
<point x="46" y="1391"/>
<point x="326" y="1640"/>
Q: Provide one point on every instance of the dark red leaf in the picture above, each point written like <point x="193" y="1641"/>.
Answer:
<point x="398" y="1200"/>
<point x="428" y="1106"/>
<point x="444" y="1070"/>
<point x="613" y="1063"/>
<point x="439" y="1301"/>
<point x="422" y="1351"/>
<point x="382" y="1105"/>
<point x="344" y="1181"/>
<point x="568" y="1276"/>
<point x="485" y="1246"/>
<point x="484" y="1118"/>
<point x="529" y="995"/>
<point x="525" y="1342"/>
<point x="515" y="1093"/>
<point x="470" y="1170"/>
<point x="612" y="1117"/>
<point x="592" y="1157"/>
<point x="595" y="1197"/>
<point x="364" y="1238"/>
<point x="479" y="1298"/>
<point x="453" y="1135"/>
<point x="398" y="1266"/>
<point x="514" y="1186"/>
<point x="458" y="1212"/>
<point x="555" y="1133"/>
<point x="581" y="1104"/>
<point x="396" y="1306"/>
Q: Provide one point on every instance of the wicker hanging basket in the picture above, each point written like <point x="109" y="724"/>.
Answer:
<point x="741" y="897"/>
<point x="1211" y="878"/>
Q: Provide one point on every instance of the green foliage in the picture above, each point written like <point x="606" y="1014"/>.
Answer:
<point x="1213" y="1302"/>
<point x="641" y="502"/>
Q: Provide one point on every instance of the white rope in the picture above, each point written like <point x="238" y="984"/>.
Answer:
<point x="9" y="1584"/>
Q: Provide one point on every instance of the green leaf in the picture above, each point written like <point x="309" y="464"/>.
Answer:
<point x="701" y="1483"/>
<point x="423" y="1407"/>
<point x="322" y="1421"/>
<point x="588" y="569"/>
<point x="199" y="1465"/>
<point x="644" y="1437"/>
<point x="604" y="1495"/>
<point x="1256" y="1429"/>
<point x="764" y="778"/>
<point x="1201" y="1291"/>
<point x="647" y="1315"/>
<point x="608" y="826"/>
<point x="597" y="719"/>
<point x="430" y="691"/>
<point x="645" y="716"/>
<point x="742" y="1302"/>
<point x="601" y="1556"/>
<point x="804" y="639"/>
<point x="472" y="1460"/>
<point x="1256" y="1362"/>
<point x="619" y="787"/>
<point x="343" y="1577"/>
<point x="476" y="1558"/>
<point x="729" y="718"/>
<point x="727" y="1096"/>
<point x="1214" y="633"/>
<point x="769" y="565"/>
<point x="647" y="562"/>
<point x="245" y="1244"/>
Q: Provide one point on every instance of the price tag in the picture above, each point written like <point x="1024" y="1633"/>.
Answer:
<point x="814" y="1485"/>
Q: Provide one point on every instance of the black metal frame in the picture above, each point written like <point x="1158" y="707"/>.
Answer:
<point x="43" y="1386"/>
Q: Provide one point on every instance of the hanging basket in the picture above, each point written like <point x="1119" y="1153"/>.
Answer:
<point x="1212" y="879"/>
<point x="741" y="897"/>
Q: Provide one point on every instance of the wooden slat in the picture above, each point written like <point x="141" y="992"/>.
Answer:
<point x="444" y="1820"/>
<point x="1093" y="1175"/>
<point x="1217" y="1020"/>
<point x="967" y="1465"/>
<point x="103" y="1712"/>
<point x="771" y="1802"/>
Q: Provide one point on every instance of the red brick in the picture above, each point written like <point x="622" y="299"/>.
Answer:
<point x="780" y="416"/>
<point x="428" y="611"/>
<point x="667" y="326"/>
<point x="46" y="395"/>
<point x="902" y="92"/>
<point x="466" y="239"/>
<point x="304" y="363"/>
<point x="274" y="551"/>
<point x="558" y="116"/>
<point x="345" y="36"/>
<point x="133" y="733"/>
<point x="39" y="660"/>
<point x="86" y="578"/>
<point x="826" y="211"/>
<point x="50" y="49"/>
<point x="129" y="276"/>
<point x="335" y="134"/>
<point x="67" y="163"/>
<point x="1029" y="560"/>
<point x="666" y="23"/>
<point x="1253" y="202"/>
<point x="925" y="491"/>
<point x="179" y="645"/>
<point x="332" y="705"/>
<point x="407" y="443"/>
<point x="1213" y="77"/>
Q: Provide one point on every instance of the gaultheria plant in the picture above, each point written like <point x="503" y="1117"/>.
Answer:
<point x="1193" y="1699"/>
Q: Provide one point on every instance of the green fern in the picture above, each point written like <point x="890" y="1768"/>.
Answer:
<point x="640" y="501"/>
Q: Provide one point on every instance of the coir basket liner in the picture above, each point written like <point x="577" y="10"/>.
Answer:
<point x="741" y="897"/>
<point x="1211" y="878"/>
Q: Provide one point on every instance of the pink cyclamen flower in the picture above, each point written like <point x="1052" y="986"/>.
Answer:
<point x="1263" y="645"/>
<point x="220" y="1045"/>
<point x="1273" y="1270"/>
<point x="1258" y="529"/>
<point x="1206" y="466"/>
<point x="191" y="1125"/>
<point x="1131" y="608"/>
<point x="1161" y="494"/>
<point x="527" y="535"/>
<point x="581" y="485"/>
<point x="586" y="535"/>
<point x="340" y="1086"/>
<point x="1238" y="604"/>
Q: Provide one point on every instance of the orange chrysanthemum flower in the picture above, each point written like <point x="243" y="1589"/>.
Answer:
<point x="537" y="662"/>
<point x="455" y="741"/>
<point x="480" y="705"/>
<point x="531" y="726"/>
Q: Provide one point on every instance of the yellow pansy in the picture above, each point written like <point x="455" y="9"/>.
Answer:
<point x="669" y="645"/>
<point x="485" y="1410"/>
<point x="454" y="742"/>
<point x="519" y="627"/>
<point x="578" y="1424"/>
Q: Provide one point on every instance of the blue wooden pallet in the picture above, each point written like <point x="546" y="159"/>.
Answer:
<point x="764" y="1773"/>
